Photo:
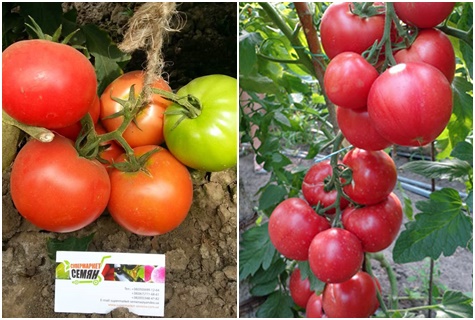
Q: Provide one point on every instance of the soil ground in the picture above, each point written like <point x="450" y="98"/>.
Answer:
<point x="454" y="272"/>
<point x="201" y="254"/>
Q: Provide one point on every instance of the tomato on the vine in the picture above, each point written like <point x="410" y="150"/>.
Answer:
<point x="292" y="226"/>
<point x="341" y="30"/>
<point x="56" y="189"/>
<point x="314" y="307"/>
<point x="348" y="79"/>
<point x="410" y="104"/>
<point x="314" y="187"/>
<point x="357" y="128"/>
<point x="154" y="200"/>
<point x="377" y="225"/>
<point x="374" y="176"/>
<point x="433" y="47"/>
<point x="46" y="84"/>
<point x="423" y="14"/>
<point x="335" y="255"/>
<point x="205" y="138"/>
<point x="147" y="127"/>
<point x="354" y="298"/>
<point x="299" y="289"/>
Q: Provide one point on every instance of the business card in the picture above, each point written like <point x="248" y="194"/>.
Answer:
<point x="99" y="282"/>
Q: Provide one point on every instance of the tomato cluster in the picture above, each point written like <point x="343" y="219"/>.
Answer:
<point x="115" y="158"/>
<point x="348" y="207"/>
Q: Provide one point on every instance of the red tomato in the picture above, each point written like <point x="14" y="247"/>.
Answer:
<point x="376" y="226"/>
<point x="423" y="14"/>
<point x="433" y="47"/>
<point x="348" y="79"/>
<point x="152" y="201"/>
<point x="374" y="176"/>
<point x="72" y="131"/>
<point x="410" y="104"/>
<point x="292" y="226"/>
<point x="149" y="127"/>
<point x="314" y="308"/>
<point x="355" y="298"/>
<point x="55" y="189"/>
<point x="335" y="255"/>
<point x="299" y="289"/>
<point x="342" y="30"/>
<point x="313" y="187"/>
<point x="358" y="129"/>
<point x="46" y="84"/>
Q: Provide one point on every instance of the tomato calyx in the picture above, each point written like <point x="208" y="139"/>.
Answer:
<point x="366" y="9"/>
<point x="133" y="163"/>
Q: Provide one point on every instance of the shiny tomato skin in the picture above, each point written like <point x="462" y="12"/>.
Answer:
<point x="354" y="298"/>
<point x="151" y="202"/>
<point x="423" y="14"/>
<point x="46" y="84"/>
<point x="433" y="47"/>
<point x="292" y="226"/>
<point x="374" y="176"/>
<point x="299" y="289"/>
<point x="410" y="104"/>
<point x="313" y="187"/>
<point x="209" y="141"/>
<point x="335" y="255"/>
<point x="377" y="225"/>
<point x="148" y="126"/>
<point x="358" y="129"/>
<point x="339" y="27"/>
<point x="348" y="79"/>
<point x="314" y="307"/>
<point x="55" y="189"/>
<point x="72" y="131"/>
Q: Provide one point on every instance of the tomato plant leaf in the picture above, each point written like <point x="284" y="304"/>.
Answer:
<point x="247" y="52"/>
<point x="255" y="251"/>
<point x="264" y="282"/>
<point x="272" y="195"/>
<point x="305" y="272"/>
<point x="277" y="305"/>
<point x="455" y="305"/>
<point x="463" y="151"/>
<point x="68" y="244"/>
<point x="451" y="169"/>
<point x="440" y="227"/>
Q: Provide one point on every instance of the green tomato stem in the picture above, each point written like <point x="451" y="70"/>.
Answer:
<point x="191" y="105"/>
<point x="41" y="134"/>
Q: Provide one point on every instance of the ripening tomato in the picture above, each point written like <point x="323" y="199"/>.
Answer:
<point x="56" y="189"/>
<point x="292" y="226"/>
<point x="410" y="104"/>
<point x="314" y="307"/>
<point x="423" y="14"/>
<point x="342" y="31"/>
<point x="152" y="201"/>
<point x="147" y="128"/>
<point x="354" y="298"/>
<point x="357" y="128"/>
<point x="46" y="84"/>
<point x="348" y="79"/>
<point x="374" y="176"/>
<point x="377" y="225"/>
<point x="433" y="47"/>
<point x="335" y="255"/>
<point x="313" y="187"/>
<point x="299" y="288"/>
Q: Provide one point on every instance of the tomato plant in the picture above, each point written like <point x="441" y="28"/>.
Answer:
<point x="164" y="188"/>
<point x="292" y="226"/>
<point x="147" y="127"/>
<point x="423" y="15"/>
<point x="53" y="89"/>
<point x="203" y="135"/>
<point x="65" y="192"/>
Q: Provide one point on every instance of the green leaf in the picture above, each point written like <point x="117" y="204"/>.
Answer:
<point x="106" y="55"/>
<point x="440" y="227"/>
<point x="264" y="282"/>
<point x="407" y="203"/>
<point x="256" y="251"/>
<point x="272" y="195"/>
<point x="455" y="305"/>
<point x="257" y="83"/>
<point x="463" y="151"/>
<point x="47" y="15"/>
<point x="247" y="52"/>
<point x="305" y="272"/>
<point x="282" y="119"/>
<point x="68" y="244"/>
<point x="277" y="305"/>
<point x="451" y="169"/>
